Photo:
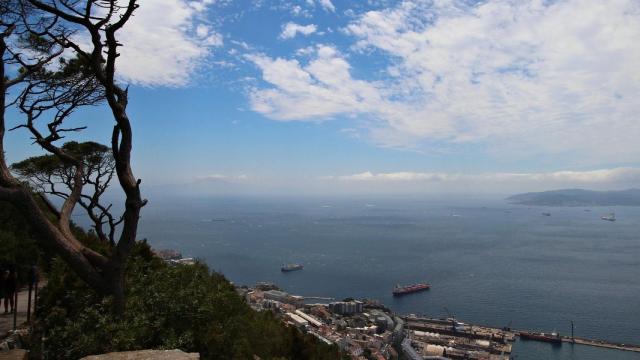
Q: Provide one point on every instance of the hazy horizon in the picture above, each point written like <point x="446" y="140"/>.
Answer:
<point x="316" y="187"/>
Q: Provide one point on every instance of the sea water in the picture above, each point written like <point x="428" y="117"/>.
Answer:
<point x="488" y="262"/>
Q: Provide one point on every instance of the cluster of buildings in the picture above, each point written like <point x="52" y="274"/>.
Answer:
<point x="367" y="330"/>
<point x="364" y="330"/>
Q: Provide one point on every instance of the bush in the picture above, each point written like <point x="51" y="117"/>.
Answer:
<point x="184" y="307"/>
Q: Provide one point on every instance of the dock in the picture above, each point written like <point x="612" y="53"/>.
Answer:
<point x="457" y="340"/>
<point x="593" y="342"/>
<point x="452" y="327"/>
<point x="473" y="339"/>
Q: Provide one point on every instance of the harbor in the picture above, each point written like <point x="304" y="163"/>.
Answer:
<point x="416" y="337"/>
<point x="434" y="335"/>
<point x="367" y="327"/>
<point x="489" y="278"/>
<point x="593" y="342"/>
<point x="449" y="338"/>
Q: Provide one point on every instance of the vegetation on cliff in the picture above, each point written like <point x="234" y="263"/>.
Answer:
<point x="186" y="307"/>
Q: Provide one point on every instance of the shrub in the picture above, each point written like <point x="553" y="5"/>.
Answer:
<point x="185" y="307"/>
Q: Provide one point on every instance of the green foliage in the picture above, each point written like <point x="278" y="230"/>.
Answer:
<point x="44" y="164"/>
<point x="50" y="174"/>
<point x="91" y="153"/>
<point x="185" y="307"/>
<point x="74" y="67"/>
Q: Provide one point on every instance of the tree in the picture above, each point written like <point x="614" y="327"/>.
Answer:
<point x="33" y="34"/>
<point x="47" y="174"/>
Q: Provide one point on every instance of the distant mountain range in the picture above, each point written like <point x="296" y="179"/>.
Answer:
<point x="578" y="197"/>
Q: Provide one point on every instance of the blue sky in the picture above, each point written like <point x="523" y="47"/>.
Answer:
<point x="328" y="95"/>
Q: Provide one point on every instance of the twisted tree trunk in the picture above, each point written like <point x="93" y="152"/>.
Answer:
<point x="105" y="273"/>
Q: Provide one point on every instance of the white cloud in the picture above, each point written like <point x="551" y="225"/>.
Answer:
<point x="290" y="30"/>
<point x="306" y="51"/>
<point x="521" y="79"/>
<point x="202" y="30"/>
<point x="296" y="10"/>
<point x="322" y="88"/>
<point x="241" y="44"/>
<point x="350" y="132"/>
<point x="165" y="42"/>
<point x="327" y="5"/>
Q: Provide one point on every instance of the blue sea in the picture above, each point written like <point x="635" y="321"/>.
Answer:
<point x="489" y="262"/>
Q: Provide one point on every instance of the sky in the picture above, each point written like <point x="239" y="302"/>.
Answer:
<point x="314" y="96"/>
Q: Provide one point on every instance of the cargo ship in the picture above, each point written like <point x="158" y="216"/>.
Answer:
<point x="291" y="267"/>
<point x="409" y="289"/>
<point x="553" y="338"/>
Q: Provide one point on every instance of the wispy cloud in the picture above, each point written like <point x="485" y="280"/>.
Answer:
<point x="525" y="78"/>
<point x="221" y="178"/>
<point x="600" y="176"/>
<point x="290" y="30"/>
<point x="327" y="5"/>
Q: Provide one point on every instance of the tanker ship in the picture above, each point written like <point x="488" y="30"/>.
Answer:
<point x="408" y="289"/>
<point x="553" y="338"/>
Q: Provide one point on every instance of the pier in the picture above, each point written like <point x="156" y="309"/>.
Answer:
<point x="496" y="340"/>
<point x="592" y="342"/>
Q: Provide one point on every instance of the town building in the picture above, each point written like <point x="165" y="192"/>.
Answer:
<point x="347" y="307"/>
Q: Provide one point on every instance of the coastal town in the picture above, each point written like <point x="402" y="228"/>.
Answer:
<point x="365" y="329"/>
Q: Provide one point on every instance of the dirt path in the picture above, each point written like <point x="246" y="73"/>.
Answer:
<point x="6" y="320"/>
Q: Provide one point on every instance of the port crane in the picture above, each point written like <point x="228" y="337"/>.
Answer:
<point x="573" y="339"/>
<point x="508" y="327"/>
<point x="452" y="318"/>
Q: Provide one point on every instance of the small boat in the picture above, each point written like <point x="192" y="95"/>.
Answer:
<point x="546" y="214"/>
<point x="610" y="217"/>
<point x="291" y="267"/>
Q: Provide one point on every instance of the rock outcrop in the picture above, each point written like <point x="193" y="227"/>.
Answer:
<point x="146" y="355"/>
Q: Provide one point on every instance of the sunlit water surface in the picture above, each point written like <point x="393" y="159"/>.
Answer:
<point x="489" y="262"/>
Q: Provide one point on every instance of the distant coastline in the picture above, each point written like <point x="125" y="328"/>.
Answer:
<point x="578" y="197"/>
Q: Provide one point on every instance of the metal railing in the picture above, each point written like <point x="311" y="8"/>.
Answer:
<point x="32" y="297"/>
